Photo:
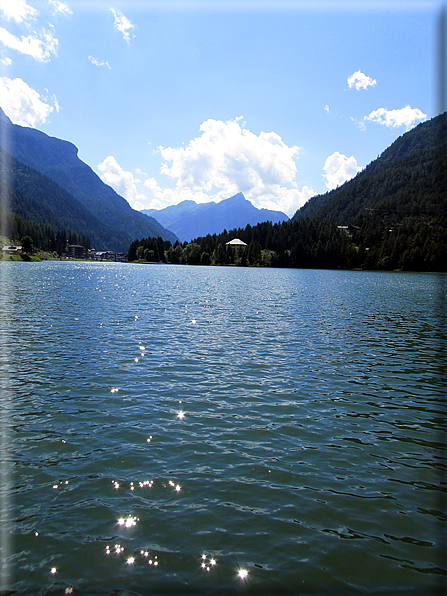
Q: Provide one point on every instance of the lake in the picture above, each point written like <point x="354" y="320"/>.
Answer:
<point x="203" y="430"/>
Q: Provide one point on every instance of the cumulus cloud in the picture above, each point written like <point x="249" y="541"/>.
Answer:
<point x="123" y="24"/>
<point x="360" y="81"/>
<point x="99" y="62"/>
<point x="17" y="10"/>
<point x="60" y="7"/>
<point x="6" y="61"/>
<point x="40" y="49"/>
<point x="22" y="104"/>
<point x="226" y="159"/>
<point x="122" y="181"/>
<point x="407" y="117"/>
<point x="338" y="169"/>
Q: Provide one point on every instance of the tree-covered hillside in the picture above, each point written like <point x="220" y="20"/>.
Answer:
<point x="43" y="236"/>
<point x="409" y="179"/>
<point x="36" y="199"/>
<point x="311" y="243"/>
<point x="306" y="244"/>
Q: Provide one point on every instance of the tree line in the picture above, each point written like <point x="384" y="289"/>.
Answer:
<point x="44" y="237"/>
<point x="379" y="242"/>
<point x="307" y="244"/>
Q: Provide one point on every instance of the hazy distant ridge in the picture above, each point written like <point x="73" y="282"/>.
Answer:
<point x="190" y="220"/>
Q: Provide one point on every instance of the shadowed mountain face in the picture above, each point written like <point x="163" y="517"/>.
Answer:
<point x="36" y="198"/>
<point x="58" y="160"/>
<point x="189" y="220"/>
<point x="408" y="179"/>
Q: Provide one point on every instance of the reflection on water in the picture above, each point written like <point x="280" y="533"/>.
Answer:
<point x="210" y="430"/>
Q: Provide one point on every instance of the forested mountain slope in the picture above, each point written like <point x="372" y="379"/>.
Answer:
<point x="59" y="160"/>
<point x="38" y="199"/>
<point x="391" y="216"/>
<point x="409" y="179"/>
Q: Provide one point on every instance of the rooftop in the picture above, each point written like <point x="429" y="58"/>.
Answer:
<point x="236" y="242"/>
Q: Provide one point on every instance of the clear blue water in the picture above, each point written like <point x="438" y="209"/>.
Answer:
<point x="166" y="429"/>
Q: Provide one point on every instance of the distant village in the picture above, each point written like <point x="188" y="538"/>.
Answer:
<point x="75" y="251"/>
<point x="78" y="252"/>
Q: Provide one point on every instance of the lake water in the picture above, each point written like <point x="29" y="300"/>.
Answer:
<point x="181" y="430"/>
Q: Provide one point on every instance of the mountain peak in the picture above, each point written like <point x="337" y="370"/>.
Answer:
<point x="237" y="198"/>
<point x="58" y="160"/>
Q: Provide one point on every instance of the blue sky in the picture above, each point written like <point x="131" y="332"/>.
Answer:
<point x="169" y="101"/>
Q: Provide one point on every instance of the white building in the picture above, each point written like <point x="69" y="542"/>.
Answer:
<point x="236" y="246"/>
<point x="12" y="250"/>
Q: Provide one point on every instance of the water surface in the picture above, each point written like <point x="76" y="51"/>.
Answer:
<point x="166" y="428"/>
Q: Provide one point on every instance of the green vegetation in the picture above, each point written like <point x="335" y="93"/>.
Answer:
<point x="29" y="199"/>
<point x="409" y="179"/>
<point x="392" y="215"/>
<point x="43" y="236"/>
<point x="307" y="244"/>
<point x="312" y="243"/>
<point x="63" y="187"/>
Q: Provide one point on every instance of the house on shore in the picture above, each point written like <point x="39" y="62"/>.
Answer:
<point x="236" y="246"/>
<point x="12" y="250"/>
<point x="75" y="251"/>
<point x="108" y="255"/>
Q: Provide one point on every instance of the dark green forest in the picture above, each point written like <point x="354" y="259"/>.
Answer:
<point x="392" y="216"/>
<point x="44" y="237"/>
<point x="408" y="179"/>
<point x="296" y="244"/>
<point x="311" y="243"/>
<point x="26" y="195"/>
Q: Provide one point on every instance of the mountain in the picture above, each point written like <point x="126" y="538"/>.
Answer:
<point x="59" y="161"/>
<point x="190" y="220"/>
<point x="408" y="179"/>
<point x="36" y="198"/>
<point x="395" y="210"/>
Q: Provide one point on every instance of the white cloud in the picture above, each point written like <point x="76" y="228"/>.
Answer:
<point x="22" y="104"/>
<point x="39" y="49"/>
<point x="163" y="196"/>
<point x="326" y="108"/>
<point x="123" y="182"/>
<point x="17" y="10"/>
<point x="407" y="117"/>
<point x="224" y="160"/>
<point x="227" y="159"/>
<point x="60" y="7"/>
<point x="360" y="81"/>
<point x="99" y="62"/>
<point x="338" y="169"/>
<point x="123" y="24"/>
<point x="56" y="104"/>
<point x="6" y="61"/>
